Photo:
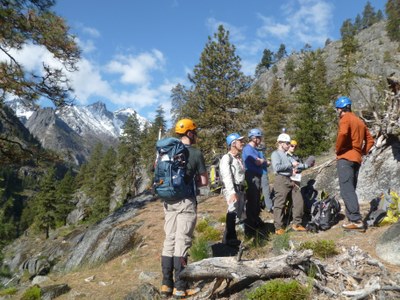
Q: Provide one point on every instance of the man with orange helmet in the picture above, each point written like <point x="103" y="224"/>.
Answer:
<point x="180" y="218"/>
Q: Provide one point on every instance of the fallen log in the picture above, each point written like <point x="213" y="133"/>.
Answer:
<point x="229" y="268"/>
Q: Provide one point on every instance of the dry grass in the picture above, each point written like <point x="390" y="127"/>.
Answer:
<point x="115" y="279"/>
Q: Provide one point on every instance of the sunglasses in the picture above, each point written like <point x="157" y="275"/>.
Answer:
<point x="293" y="146"/>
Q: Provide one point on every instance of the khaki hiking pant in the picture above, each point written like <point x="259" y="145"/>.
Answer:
<point x="282" y="187"/>
<point x="180" y="221"/>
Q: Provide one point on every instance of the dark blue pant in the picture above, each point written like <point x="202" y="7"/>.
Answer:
<point x="348" y="175"/>
<point x="253" y="195"/>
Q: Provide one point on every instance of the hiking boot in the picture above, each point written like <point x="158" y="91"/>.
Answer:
<point x="280" y="231"/>
<point x="183" y="294"/>
<point x="297" y="227"/>
<point x="165" y="291"/>
<point x="354" y="226"/>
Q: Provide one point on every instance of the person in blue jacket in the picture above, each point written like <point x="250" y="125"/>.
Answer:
<point x="254" y="169"/>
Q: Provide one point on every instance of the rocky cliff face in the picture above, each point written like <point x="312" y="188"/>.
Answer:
<point x="53" y="133"/>
<point x="377" y="58"/>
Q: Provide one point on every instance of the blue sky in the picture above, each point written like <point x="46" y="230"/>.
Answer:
<point x="134" y="52"/>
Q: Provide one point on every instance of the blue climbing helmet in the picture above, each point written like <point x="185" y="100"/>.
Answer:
<point x="232" y="137"/>
<point x="342" y="102"/>
<point x="254" y="132"/>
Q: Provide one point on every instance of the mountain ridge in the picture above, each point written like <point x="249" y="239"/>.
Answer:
<point x="74" y="130"/>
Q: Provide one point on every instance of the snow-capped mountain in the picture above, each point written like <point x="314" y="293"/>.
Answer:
<point x="74" y="130"/>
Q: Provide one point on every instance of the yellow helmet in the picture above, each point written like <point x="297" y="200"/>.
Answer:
<point x="184" y="125"/>
<point x="293" y="142"/>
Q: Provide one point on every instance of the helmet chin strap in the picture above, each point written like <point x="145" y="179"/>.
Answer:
<point x="190" y="136"/>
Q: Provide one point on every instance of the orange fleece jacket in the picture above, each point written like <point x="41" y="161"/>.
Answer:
<point x="354" y="139"/>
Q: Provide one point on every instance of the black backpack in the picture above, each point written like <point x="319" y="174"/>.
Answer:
<point x="170" y="179"/>
<point x="324" y="214"/>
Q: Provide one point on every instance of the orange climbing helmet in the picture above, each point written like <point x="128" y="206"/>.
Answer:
<point x="184" y="125"/>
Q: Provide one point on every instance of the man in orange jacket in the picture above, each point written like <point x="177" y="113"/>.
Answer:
<point x="353" y="141"/>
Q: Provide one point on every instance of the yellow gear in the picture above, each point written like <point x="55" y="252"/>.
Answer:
<point x="293" y="142"/>
<point x="184" y="125"/>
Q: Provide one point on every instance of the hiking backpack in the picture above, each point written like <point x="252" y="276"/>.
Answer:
<point x="170" y="179"/>
<point x="324" y="214"/>
<point x="214" y="175"/>
<point x="384" y="210"/>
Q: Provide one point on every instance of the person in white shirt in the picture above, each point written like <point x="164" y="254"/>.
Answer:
<point x="232" y="174"/>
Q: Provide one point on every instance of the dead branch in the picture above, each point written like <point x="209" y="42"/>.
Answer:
<point x="354" y="274"/>
<point x="324" y="165"/>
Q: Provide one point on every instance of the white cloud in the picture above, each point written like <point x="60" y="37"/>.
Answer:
<point x="270" y="27"/>
<point x="137" y="98"/>
<point x="312" y="21"/>
<point x="136" y="69"/>
<point x="236" y="34"/>
<point x="306" y="21"/>
<point x="91" y="31"/>
<point x="248" y="67"/>
<point x="86" y="46"/>
<point x="31" y="57"/>
<point x="88" y="82"/>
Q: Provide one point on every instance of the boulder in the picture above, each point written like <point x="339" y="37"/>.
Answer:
<point x="379" y="172"/>
<point x="388" y="246"/>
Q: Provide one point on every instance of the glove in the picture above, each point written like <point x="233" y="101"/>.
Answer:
<point x="310" y="161"/>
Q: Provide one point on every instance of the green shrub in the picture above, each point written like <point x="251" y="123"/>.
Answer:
<point x="279" y="289"/>
<point x="202" y="225"/>
<point x="208" y="232"/>
<point x="321" y="248"/>
<point x="387" y="57"/>
<point x="280" y="242"/>
<point x="33" y="293"/>
<point x="222" y="219"/>
<point x="8" y="291"/>
<point x="199" y="249"/>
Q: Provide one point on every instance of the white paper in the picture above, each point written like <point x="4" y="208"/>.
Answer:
<point x="296" y="177"/>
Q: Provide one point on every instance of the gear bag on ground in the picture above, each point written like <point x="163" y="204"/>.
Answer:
<point x="324" y="214"/>
<point x="170" y="173"/>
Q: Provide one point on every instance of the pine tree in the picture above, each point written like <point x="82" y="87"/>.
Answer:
<point x="349" y="42"/>
<point x="179" y="98"/>
<point x="103" y="186"/>
<point x="358" y="23"/>
<point x="368" y="16"/>
<point x="379" y="16"/>
<point x="65" y="190"/>
<point x="281" y="53"/>
<point x="34" y="22"/>
<point x="289" y="71"/>
<point x="129" y="159"/>
<point x="217" y="85"/>
<point x="392" y="9"/>
<point x="347" y="58"/>
<point x="8" y="227"/>
<point x="313" y="117"/>
<point x="265" y="63"/>
<point x="89" y="171"/>
<point x="275" y="114"/>
<point x="45" y="205"/>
